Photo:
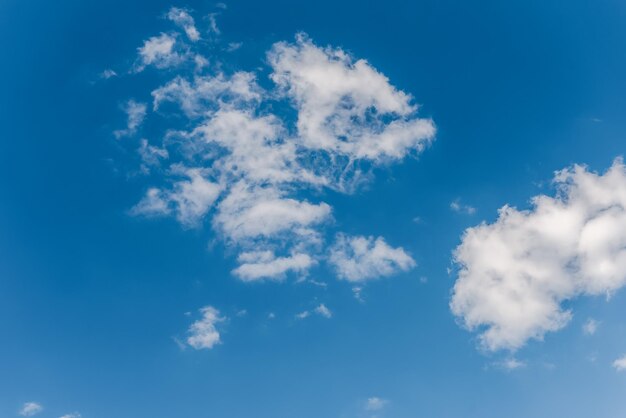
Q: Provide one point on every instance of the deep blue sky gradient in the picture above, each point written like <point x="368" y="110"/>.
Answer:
<point x="91" y="298"/>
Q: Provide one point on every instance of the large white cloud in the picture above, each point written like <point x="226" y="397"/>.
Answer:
<point x="255" y="161"/>
<point x="516" y="272"/>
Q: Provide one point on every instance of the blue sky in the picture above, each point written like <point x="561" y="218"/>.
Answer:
<point x="218" y="210"/>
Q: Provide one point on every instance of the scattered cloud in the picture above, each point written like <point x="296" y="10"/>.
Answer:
<point x="108" y="73"/>
<point x="620" y="364"/>
<point x="590" y="326"/>
<point x="303" y="315"/>
<point x="30" y="408"/>
<point x="233" y="46"/>
<point x="323" y="311"/>
<point x="213" y="24"/>
<point x="161" y="52"/>
<point x="190" y="198"/>
<point x="458" y="207"/>
<point x="203" y="333"/>
<point x="151" y="156"/>
<point x="263" y="264"/>
<point x="359" y="258"/>
<point x="135" y="115"/>
<point x="515" y="273"/>
<point x="511" y="364"/>
<point x="183" y="19"/>
<point x="73" y="415"/>
<point x="357" y="292"/>
<point x="375" y="404"/>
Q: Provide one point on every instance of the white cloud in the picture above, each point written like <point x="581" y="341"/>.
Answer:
<point x="322" y="310"/>
<point x="151" y="156"/>
<point x="590" y="326"/>
<point x="183" y="19"/>
<point x="458" y="207"/>
<point x="203" y="334"/>
<point x="515" y="273"/>
<point x="161" y="52"/>
<point x="213" y="23"/>
<point x="73" y="415"/>
<point x="108" y="73"/>
<point x="208" y="93"/>
<point x="262" y="212"/>
<point x="375" y="403"/>
<point x="257" y="265"/>
<point x="364" y="258"/>
<point x="135" y="115"/>
<point x="511" y="364"/>
<point x="263" y="170"/>
<point x="303" y="315"/>
<point x="620" y="363"/>
<point x="346" y="106"/>
<point x="30" y="408"/>
<point x="189" y="199"/>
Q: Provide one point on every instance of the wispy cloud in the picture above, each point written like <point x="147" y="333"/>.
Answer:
<point x="358" y="259"/>
<point x="620" y="363"/>
<point x="590" y="326"/>
<point x="458" y="207"/>
<point x="135" y="115"/>
<point x="30" y="408"/>
<point x="375" y="403"/>
<point x="183" y="19"/>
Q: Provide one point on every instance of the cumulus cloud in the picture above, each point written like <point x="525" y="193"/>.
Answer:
<point x="203" y="333"/>
<point x="620" y="363"/>
<point x="135" y="115"/>
<point x="346" y="106"/>
<point x="30" y="408"/>
<point x="160" y="51"/>
<point x="183" y="19"/>
<point x="516" y="272"/>
<point x="256" y="160"/>
<point x="361" y="258"/>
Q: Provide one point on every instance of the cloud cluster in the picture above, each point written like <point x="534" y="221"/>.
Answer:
<point x="516" y="273"/>
<point x="253" y="161"/>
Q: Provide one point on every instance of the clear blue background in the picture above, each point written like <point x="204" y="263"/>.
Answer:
<point x="90" y="298"/>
